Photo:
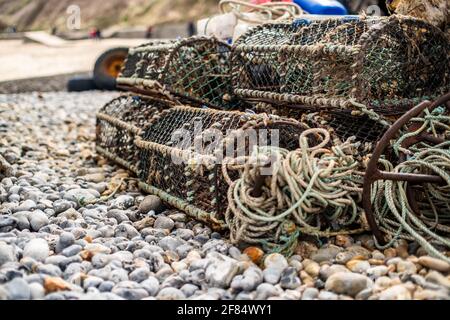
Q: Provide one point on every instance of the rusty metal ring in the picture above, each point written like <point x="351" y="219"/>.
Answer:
<point x="373" y="173"/>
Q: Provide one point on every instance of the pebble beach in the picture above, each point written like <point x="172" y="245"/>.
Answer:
<point x="75" y="226"/>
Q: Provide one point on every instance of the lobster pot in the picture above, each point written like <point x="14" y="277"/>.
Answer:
<point x="194" y="70"/>
<point x="182" y="152"/>
<point x="384" y="64"/>
<point x="118" y="123"/>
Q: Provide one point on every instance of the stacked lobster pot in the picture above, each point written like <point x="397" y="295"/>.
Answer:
<point x="354" y="77"/>
<point x="320" y="97"/>
<point x="183" y="150"/>
<point x="158" y="76"/>
<point x="370" y="68"/>
<point x="182" y="89"/>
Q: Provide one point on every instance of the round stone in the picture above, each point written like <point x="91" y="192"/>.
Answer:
<point x="171" y="294"/>
<point x="327" y="253"/>
<point x="151" y="285"/>
<point x="123" y="202"/>
<point x="310" y="294"/>
<point x="139" y="275"/>
<point x="398" y="292"/>
<point x="435" y="264"/>
<point x="18" y="289"/>
<point x="163" y="222"/>
<point x="275" y="261"/>
<point x="38" y="219"/>
<point x="289" y="279"/>
<point x="6" y="254"/>
<point x="347" y="283"/>
<point x="27" y="205"/>
<point x="249" y="280"/>
<point x="37" y="291"/>
<point x="61" y="205"/>
<point x="65" y="240"/>
<point x="37" y="249"/>
<point x="255" y="254"/>
<point x="358" y="266"/>
<point x="150" y="203"/>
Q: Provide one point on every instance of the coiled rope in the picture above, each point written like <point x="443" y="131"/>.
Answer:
<point x="268" y="12"/>
<point x="392" y="208"/>
<point x="312" y="190"/>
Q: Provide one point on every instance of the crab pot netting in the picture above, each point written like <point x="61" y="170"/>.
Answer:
<point x="190" y="178"/>
<point x="343" y="124"/>
<point x="386" y="64"/>
<point x="194" y="70"/>
<point x="118" y="124"/>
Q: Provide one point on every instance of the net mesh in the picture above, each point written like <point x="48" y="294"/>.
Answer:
<point x="118" y="124"/>
<point x="387" y="64"/>
<point x="193" y="70"/>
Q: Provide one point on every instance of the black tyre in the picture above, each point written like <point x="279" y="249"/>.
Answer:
<point x="81" y="84"/>
<point x="108" y="66"/>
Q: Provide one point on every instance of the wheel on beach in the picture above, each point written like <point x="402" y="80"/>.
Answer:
<point x="108" y="66"/>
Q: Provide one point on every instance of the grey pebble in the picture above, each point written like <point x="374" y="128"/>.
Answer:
<point x="18" y="289"/>
<point x="27" y="205"/>
<point x="49" y="269"/>
<point x="123" y="202"/>
<point x="91" y="281"/>
<point x="6" y="254"/>
<point x="189" y="289"/>
<point x="289" y="279"/>
<point x="163" y="222"/>
<point x="327" y="295"/>
<point x="139" y="275"/>
<point x="37" y="249"/>
<point x="310" y="294"/>
<point x="118" y="214"/>
<point x="221" y="271"/>
<point x="72" y="250"/>
<point x="126" y="231"/>
<point x="61" y="205"/>
<point x="249" y="280"/>
<point x="347" y="283"/>
<point x="170" y="243"/>
<point x="266" y="290"/>
<point x="37" y="291"/>
<point x="118" y="275"/>
<point x="22" y="221"/>
<point x="81" y="195"/>
<point x="327" y="253"/>
<point x="171" y="294"/>
<point x="151" y="285"/>
<point x="150" y="203"/>
<point x="106" y="286"/>
<point x="65" y="240"/>
<point x="130" y="294"/>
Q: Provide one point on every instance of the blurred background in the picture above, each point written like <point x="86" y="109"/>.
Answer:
<point x="65" y="38"/>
